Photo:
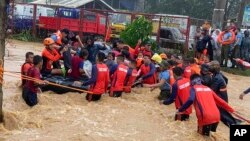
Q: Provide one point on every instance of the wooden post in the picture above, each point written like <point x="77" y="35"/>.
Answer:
<point x="3" y="16"/>
<point x="34" y="20"/>
<point x="159" y="30"/>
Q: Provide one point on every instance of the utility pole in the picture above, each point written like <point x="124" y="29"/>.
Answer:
<point x="3" y="17"/>
<point x="243" y="4"/>
<point x="218" y="14"/>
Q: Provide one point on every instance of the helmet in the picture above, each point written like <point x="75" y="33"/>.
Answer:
<point x="156" y="58"/>
<point x="163" y="56"/>
<point x="48" y="41"/>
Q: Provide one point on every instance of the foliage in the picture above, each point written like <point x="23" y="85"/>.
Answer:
<point x="202" y="9"/>
<point x="140" y="28"/>
<point x="25" y="35"/>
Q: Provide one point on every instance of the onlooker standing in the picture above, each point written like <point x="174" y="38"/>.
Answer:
<point x="245" y="48"/>
<point x="236" y="50"/>
<point x="226" y="49"/>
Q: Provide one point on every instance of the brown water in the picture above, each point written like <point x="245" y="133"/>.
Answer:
<point x="134" y="117"/>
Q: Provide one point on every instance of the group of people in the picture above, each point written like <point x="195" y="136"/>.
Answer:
<point x="185" y="81"/>
<point x="223" y="46"/>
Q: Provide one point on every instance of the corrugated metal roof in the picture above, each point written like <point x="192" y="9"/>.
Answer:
<point x="64" y="3"/>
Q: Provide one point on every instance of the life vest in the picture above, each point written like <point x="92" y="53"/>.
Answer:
<point x="139" y="62"/>
<point x="172" y="79"/>
<point x="145" y="70"/>
<point x="58" y="37"/>
<point x="118" y="79"/>
<point x="187" y="72"/>
<point x="195" y="69"/>
<point x="183" y="94"/>
<point x="205" y="106"/>
<point x="49" y="56"/>
<point x="23" y="73"/>
<point x="130" y="80"/>
<point x="221" y="36"/>
<point x="101" y="84"/>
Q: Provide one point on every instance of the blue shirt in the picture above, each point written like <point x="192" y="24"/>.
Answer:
<point x="166" y="76"/>
<point x="227" y="36"/>
<point x="239" y="37"/>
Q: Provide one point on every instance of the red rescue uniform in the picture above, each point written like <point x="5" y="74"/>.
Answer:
<point x="145" y="70"/>
<point x="118" y="79"/>
<point x="102" y="80"/>
<point x="205" y="105"/>
<point x="24" y="71"/>
<point x="130" y="80"/>
<point x="183" y="93"/>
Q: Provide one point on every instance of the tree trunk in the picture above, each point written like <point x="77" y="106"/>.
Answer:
<point x="218" y="14"/>
<point x="3" y="16"/>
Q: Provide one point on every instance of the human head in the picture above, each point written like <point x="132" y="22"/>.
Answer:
<point x="29" y="57"/>
<point x="195" y="79"/>
<point x="132" y="64"/>
<point x="171" y="63"/>
<point x="111" y="56"/>
<point x="164" y="65"/>
<point x="126" y="54"/>
<point x="125" y="48"/>
<point x="120" y="59"/>
<point x="246" y="33"/>
<point x="146" y="59"/>
<point x="238" y="30"/>
<point x="38" y="61"/>
<point x="214" y="67"/>
<point x="206" y="59"/>
<point x="120" y="44"/>
<point x="89" y="40"/>
<point x="178" y="72"/>
<point x="49" y="43"/>
<point x="204" y="69"/>
<point x="147" y="46"/>
<point x="163" y="56"/>
<point x="217" y="32"/>
<point x="100" y="57"/>
<point x="140" y="55"/>
<point x="65" y="33"/>
<point x="84" y="54"/>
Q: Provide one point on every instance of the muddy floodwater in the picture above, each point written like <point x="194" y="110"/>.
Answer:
<point x="134" y="117"/>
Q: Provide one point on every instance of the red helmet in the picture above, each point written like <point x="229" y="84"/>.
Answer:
<point x="48" y="41"/>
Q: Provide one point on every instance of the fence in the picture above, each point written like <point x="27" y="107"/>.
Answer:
<point x="43" y="19"/>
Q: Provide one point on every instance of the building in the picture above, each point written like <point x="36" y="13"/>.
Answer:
<point x="130" y="5"/>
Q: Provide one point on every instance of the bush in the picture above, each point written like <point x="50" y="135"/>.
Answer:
<point x="25" y="35"/>
<point x="140" y="28"/>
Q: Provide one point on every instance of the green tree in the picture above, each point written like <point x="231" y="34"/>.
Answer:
<point x="140" y="28"/>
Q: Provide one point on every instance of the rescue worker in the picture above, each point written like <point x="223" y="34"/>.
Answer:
<point x="205" y="104"/>
<point x="31" y="88"/>
<point x="147" y="72"/>
<point x="27" y="65"/>
<point x="219" y="86"/>
<point x="145" y="48"/>
<point x="59" y="35"/>
<point x="195" y="68"/>
<point x="180" y="94"/>
<point x="164" y="78"/>
<point x="131" y="77"/>
<point x="50" y="55"/>
<point x="186" y="67"/>
<point x="118" y="74"/>
<point x="99" y="79"/>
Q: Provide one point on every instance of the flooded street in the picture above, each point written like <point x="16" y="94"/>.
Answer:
<point x="134" y="117"/>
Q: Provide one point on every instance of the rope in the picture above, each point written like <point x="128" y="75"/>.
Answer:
<point x="240" y="117"/>
<point x="50" y="83"/>
<point x="1" y="71"/>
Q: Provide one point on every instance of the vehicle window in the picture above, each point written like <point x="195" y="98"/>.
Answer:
<point x="90" y="17"/>
<point x="50" y="13"/>
<point x="103" y="20"/>
<point x="165" y="34"/>
<point x="67" y="13"/>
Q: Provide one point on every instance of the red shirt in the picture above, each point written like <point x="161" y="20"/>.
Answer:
<point x="130" y="80"/>
<point x="102" y="80"/>
<point x="34" y="73"/>
<point x="24" y="70"/>
<point x="119" y="78"/>
<point x="75" y="65"/>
